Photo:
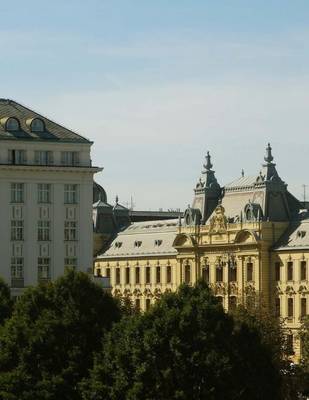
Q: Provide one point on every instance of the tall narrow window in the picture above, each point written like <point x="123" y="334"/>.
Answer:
<point x="128" y="275"/>
<point x="69" y="158"/>
<point x="137" y="275"/>
<point x="43" y="157"/>
<point x="158" y="275"/>
<point x="17" y="230"/>
<point x="220" y="299"/>
<point x="249" y="271"/>
<point x="148" y="304"/>
<point x="205" y="274"/>
<point x="147" y="274"/>
<point x="107" y="273"/>
<point x="303" y="271"/>
<point x="117" y="276"/>
<point x="71" y="262"/>
<point x="277" y="271"/>
<point x="43" y="268"/>
<point x="137" y="304"/>
<point x="303" y="307"/>
<point x="17" y="268"/>
<point x="44" y="193"/>
<point x="290" y="270"/>
<point x="17" y="192"/>
<point x="43" y="230"/>
<point x="219" y="274"/>
<point x="290" y="308"/>
<point x="70" y="230"/>
<point x="17" y="157"/>
<point x="70" y="194"/>
<point x="290" y="346"/>
<point x="232" y="303"/>
<point x="168" y="274"/>
<point x="233" y="273"/>
<point x="277" y="307"/>
<point x="187" y="273"/>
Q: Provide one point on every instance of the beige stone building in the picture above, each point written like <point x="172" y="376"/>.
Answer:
<point x="247" y="239"/>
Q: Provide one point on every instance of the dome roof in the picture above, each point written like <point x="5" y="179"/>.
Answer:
<point x="98" y="193"/>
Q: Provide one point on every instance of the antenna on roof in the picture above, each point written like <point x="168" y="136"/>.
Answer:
<point x="242" y="173"/>
<point x="304" y="192"/>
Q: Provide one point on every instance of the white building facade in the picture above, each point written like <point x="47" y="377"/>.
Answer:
<point x="46" y="182"/>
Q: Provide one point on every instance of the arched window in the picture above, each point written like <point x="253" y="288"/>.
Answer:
<point x="37" y="125"/>
<point x="187" y="273"/>
<point x="12" y="124"/>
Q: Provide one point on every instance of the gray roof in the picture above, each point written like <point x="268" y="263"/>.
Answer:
<point x="242" y="182"/>
<point x="297" y="235"/>
<point x="155" y="238"/>
<point x="53" y="131"/>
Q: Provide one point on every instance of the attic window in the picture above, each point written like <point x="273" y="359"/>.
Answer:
<point x="158" y="242"/>
<point x="12" y="124"/>
<point x="137" y="243"/>
<point x="301" y="234"/>
<point x="37" y="125"/>
<point x="118" y="245"/>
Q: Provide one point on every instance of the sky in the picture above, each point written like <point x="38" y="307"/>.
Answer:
<point x="157" y="84"/>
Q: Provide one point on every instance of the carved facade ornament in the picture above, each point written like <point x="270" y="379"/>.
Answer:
<point x="233" y="289"/>
<point x="137" y="292"/>
<point x="147" y="293"/>
<point x="250" y="289"/>
<point x="290" y="290"/>
<point x="218" y="223"/>
<point x="127" y="293"/>
<point x="303" y="289"/>
<point x="220" y="288"/>
<point x="278" y="290"/>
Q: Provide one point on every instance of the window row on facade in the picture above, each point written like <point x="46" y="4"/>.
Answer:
<point x="44" y="193"/>
<point x="291" y="311"/>
<point x="292" y="271"/>
<point x="43" y="230"/>
<point x="42" y="157"/>
<point x="43" y="268"/>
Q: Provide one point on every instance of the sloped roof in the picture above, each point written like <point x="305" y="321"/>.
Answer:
<point x="242" y="182"/>
<point x="297" y="235"/>
<point x="53" y="131"/>
<point x="147" y="234"/>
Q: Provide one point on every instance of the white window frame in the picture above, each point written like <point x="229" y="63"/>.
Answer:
<point x="70" y="230"/>
<point x="44" y="193"/>
<point x="70" y="262"/>
<point x="43" y="268"/>
<point x="43" y="157"/>
<point x="70" y="193"/>
<point x="43" y="231"/>
<point x="70" y="158"/>
<point x="17" y="192"/>
<point x="17" y="230"/>
<point x="17" y="268"/>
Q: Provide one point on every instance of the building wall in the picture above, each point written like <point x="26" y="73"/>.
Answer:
<point x="30" y="211"/>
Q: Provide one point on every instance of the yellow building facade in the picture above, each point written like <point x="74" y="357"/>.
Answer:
<point x="247" y="239"/>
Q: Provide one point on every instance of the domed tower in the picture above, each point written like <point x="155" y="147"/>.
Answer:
<point x="207" y="191"/>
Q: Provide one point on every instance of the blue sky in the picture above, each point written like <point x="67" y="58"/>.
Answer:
<point x="156" y="84"/>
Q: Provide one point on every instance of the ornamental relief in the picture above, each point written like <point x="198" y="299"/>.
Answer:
<point x="220" y="288"/>
<point x="233" y="289"/>
<point x="218" y="223"/>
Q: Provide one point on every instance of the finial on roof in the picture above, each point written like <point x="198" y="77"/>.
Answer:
<point x="242" y="173"/>
<point x="117" y="199"/>
<point x="208" y="164"/>
<point x="179" y="220"/>
<point x="269" y="157"/>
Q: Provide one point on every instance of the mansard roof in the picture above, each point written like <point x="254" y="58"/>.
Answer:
<point x="151" y="238"/>
<point x="296" y="236"/>
<point x="51" y="130"/>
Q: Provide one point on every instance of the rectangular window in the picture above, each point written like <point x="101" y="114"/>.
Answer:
<point x="43" y="157"/>
<point x="70" y="230"/>
<point x="289" y="344"/>
<point x="98" y="272"/>
<point x="277" y="271"/>
<point x="290" y="270"/>
<point x="108" y="273"/>
<point x="233" y="274"/>
<point x="17" y="192"/>
<point x="137" y="275"/>
<point x="69" y="158"/>
<point x="303" y="271"/>
<point x="277" y="307"/>
<point x="158" y="275"/>
<point x="249" y="271"/>
<point x="43" y="268"/>
<point x="303" y="307"/>
<point x="148" y="304"/>
<point x="219" y="274"/>
<point x="232" y="303"/>
<point x="17" y="268"/>
<point x="117" y="276"/>
<point x="127" y="276"/>
<point x="168" y="274"/>
<point x="44" y="230"/>
<point x="17" y="157"/>
<point x="44" y="191"/>
<point x="17" y="230"/>
<point x="290" y="308"/>
<point x="147" y="274"/>
<point x="205" y="274"/>
<point x="70" y="194"/>
<point x="71" y="262"/>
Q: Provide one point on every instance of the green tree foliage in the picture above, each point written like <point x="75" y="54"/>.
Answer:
<point x="302" y="371"/>
<point x="6" y="303"/>
<point x="47" y="346"/>
<point x="186" y="347"/>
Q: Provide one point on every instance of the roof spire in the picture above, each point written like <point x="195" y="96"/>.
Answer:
<point x="208" y="164"/>
<point x="117" y="199"/>
<point x="242" y="173"/>
<point x="269" y="157"/>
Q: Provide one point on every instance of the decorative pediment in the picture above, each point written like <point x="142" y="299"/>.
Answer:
<point x="246" y="236"/>
<point x="233" y="289"/>
<point x="278" y="290"/>
<point x="220" y="289"/>
<point x="250" y="290"/>
<point x="218" y="223"/>
<point x="147" y="292"/>
<point x="127" y="293"/>
<point x="303" y="289"/>
<point x="137" y="292"/>
<point x="157" y="293"/>
<point x="184" y="240"/>
<point x="290" y="290"/>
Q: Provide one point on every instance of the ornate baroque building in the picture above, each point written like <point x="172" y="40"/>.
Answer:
<point x="248" y="239"/>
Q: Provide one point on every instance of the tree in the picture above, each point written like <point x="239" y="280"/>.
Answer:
<point x="47" y="346"/>
<point x="6" y="303"/>
<point x="185" y="347"/>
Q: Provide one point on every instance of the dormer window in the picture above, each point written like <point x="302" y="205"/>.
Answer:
<point x="301" y="234"/>
<point x="37" y="125"/>
<point x="12" y="125"/>
<point x="137" y="243"/>
<point x="118" y="245"/>
<point x="158" y="242"/>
